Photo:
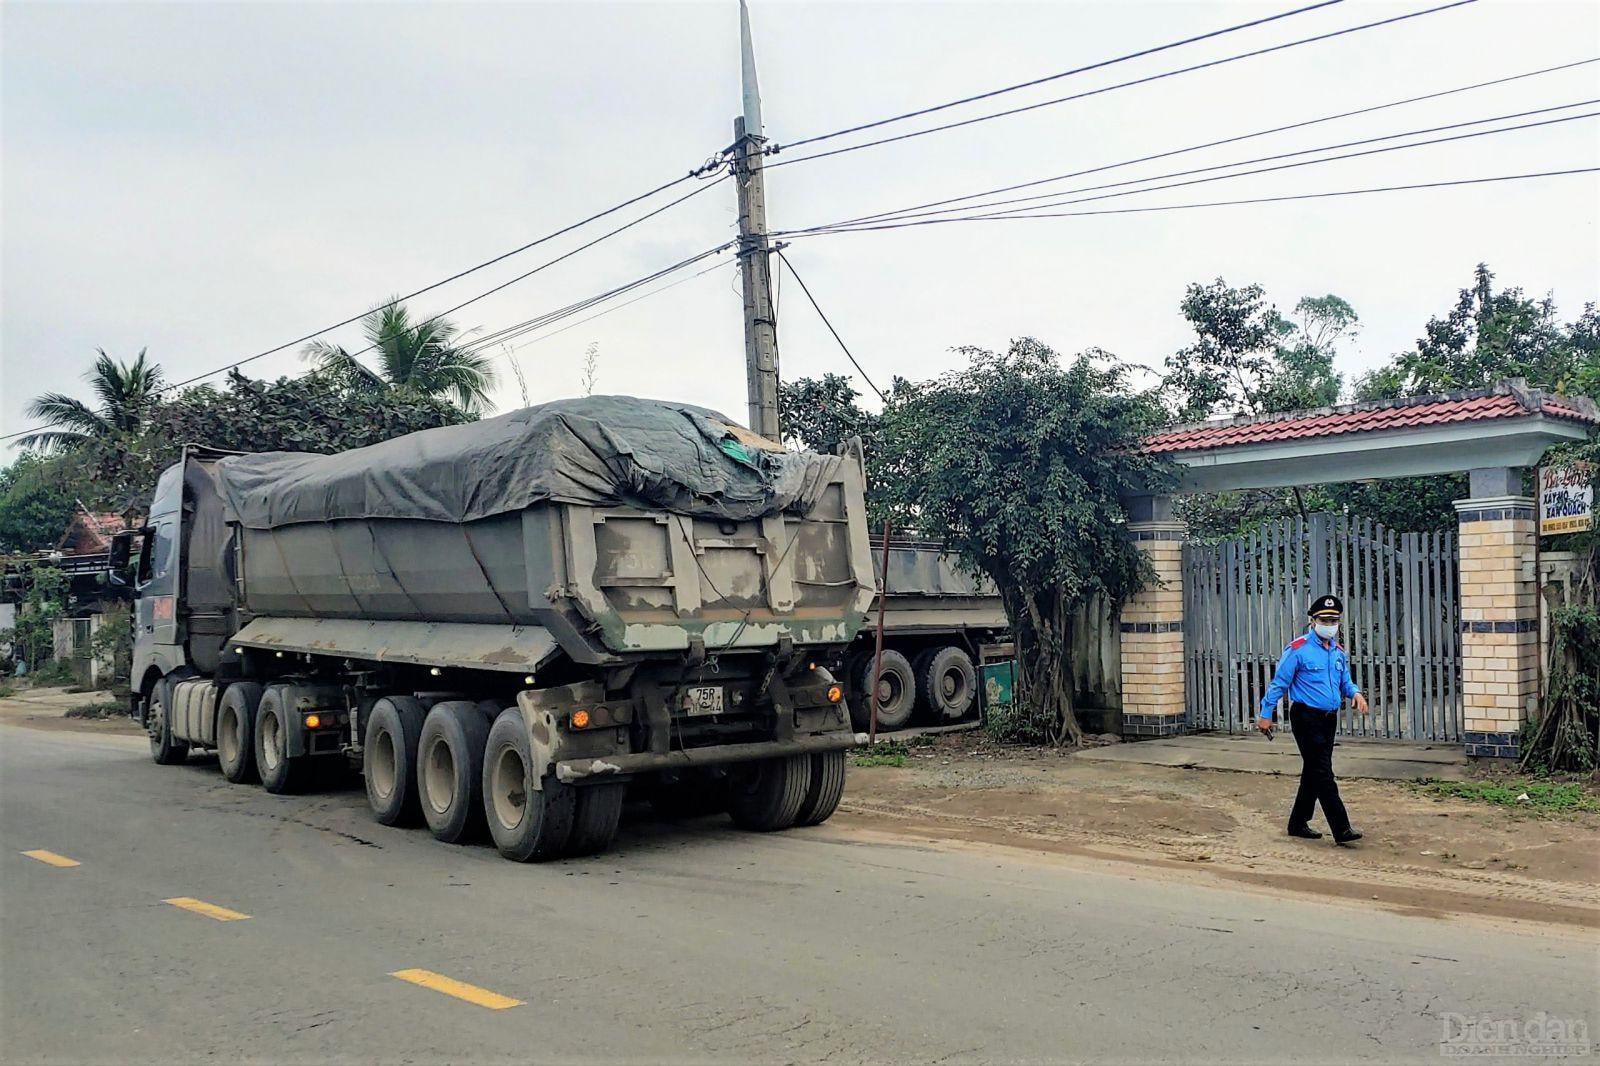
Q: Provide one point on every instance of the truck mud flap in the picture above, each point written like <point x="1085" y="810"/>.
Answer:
<point x="577" y="770"/>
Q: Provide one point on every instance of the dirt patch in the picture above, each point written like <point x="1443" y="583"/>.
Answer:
<point x="1421" y="854"/>
<point x="48" y="708"/>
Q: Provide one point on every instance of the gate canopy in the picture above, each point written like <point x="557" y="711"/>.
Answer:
<point x="1509" y="425"/>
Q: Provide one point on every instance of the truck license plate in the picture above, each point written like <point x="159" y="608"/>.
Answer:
<point x="703" y="699"/>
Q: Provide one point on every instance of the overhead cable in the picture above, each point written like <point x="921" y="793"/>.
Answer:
<point x="1122" y="85"/>
<point x="1225" y="203"/>
<point x="823" y="315"/>
<point x="1219" y="143"/>
<point x="1054" y="77"/>
<point x="986" y="207"/>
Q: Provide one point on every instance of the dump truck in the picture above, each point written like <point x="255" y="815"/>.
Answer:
<point x="506" y="625"/>
<point x="937" y="617"/>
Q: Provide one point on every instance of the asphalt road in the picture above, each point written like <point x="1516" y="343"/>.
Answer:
<point x="685" y="943"/>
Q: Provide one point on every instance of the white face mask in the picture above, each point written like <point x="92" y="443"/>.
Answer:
<point x="1327" y="630"/>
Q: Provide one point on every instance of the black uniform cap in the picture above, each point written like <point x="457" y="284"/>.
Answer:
<point x="1323" y="604"/>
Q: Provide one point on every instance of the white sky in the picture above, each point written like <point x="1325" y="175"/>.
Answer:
<point x="212" y="180"/>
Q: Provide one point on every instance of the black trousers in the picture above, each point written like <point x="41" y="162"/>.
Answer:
<point x="1313" y="734"/>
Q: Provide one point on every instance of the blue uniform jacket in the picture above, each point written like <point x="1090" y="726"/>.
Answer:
<point x="1312" y="673"/>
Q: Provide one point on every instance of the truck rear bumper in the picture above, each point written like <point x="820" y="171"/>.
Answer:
<point x="573" y="770"/>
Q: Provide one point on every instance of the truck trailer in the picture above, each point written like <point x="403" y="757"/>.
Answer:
<point x="504" y="625"/>
<point x="936" y="618"/>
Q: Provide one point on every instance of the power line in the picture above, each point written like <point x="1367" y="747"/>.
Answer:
<point x="1123" y="85"/>
<point x="821" y="314"/>
<point x="1302" y="163"/>
<point x="1219" y="143"/>
<point x="1054" y="77"/>
<point x="523" y="328"/>
<point x="454" y="277"/>
<point x="561" y="258"/>
<point x="1224" y="203"/>
<point x="984" y="207"/>
<point x="619" y="307"/>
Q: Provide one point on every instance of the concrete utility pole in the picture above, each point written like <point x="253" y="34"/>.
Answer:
<point x="755" y="265"/>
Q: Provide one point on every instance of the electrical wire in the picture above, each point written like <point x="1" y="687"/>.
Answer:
<point x="708" y="167"/>
<point x="610" y="310"/>
<point x="1224" y="141"/>
<point x="820" y="314"/>
<point x="900" y="217"/>
<point x="531" y="325"/>
<point x="1228" y="203"/>
<point x="1123" y="85"/>
<point x="1055" y="77"/>
<point x="561" y="258"/>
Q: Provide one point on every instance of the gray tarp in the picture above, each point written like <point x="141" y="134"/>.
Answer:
<point x="597" y="450"/>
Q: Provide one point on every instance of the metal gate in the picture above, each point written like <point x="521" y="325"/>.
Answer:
<point x="1246" y="597"/>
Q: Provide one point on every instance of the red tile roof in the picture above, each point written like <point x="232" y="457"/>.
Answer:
<point x="1506" y="400"/>
<point x="90" y="534"/>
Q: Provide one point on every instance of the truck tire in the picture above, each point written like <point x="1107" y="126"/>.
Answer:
<point x="768" y="795"/>
<point x="389" y="759"/>
<point x="598" y="813"/>
<point x="450" y="770"/>
<point x="528" y="824"/>
<point x="164" y="748"/>
<point x="947" y="682"/>
<point x="280" y="774"/>
<point x="236" y="732"/>
<point x="898" y="688"/>
<point x="825" y="790"/>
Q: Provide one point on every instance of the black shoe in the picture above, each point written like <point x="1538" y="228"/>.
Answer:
<point x="1349" y="836"/>
<point x="1304" y="831"/>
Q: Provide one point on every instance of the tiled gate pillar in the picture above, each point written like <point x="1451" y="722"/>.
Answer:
<point x="1152" y="627"/>
<point x="1499" y="613"/>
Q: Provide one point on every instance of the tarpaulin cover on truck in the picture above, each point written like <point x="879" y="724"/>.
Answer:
<point x="594" y="451"/>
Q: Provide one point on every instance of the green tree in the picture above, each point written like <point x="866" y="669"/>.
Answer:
<point x="822" y="413"/>
<point x="1249" y="359"/>
<point x="1486" y="337"/>
<point x="1019" y="464"/>
<point x="425" y="357"/>
<point x="36" y="503"/>
<point x="41" y="593"/>
<point x="125" y="392"/>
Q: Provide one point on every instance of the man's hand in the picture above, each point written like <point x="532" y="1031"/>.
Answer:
<point x="1264" y="724"/>
<point x="1361" y="704"/>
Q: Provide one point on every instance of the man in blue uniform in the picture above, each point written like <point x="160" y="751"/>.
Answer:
<point x="1315" y="674"/>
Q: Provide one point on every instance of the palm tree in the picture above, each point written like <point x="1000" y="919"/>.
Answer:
<point x="424" y="356"/>
<point x="126" y="391"/>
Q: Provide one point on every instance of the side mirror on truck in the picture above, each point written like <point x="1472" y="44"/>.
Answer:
<point x="120" y="565"/>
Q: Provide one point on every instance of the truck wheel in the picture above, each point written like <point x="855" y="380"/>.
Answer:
<point x="279" y="772"/>
<point x="389" y="759"/>
<point x="165" y="750"/>
<point x="450" y="769"/>
<point x="236" y="731"/>
<point x="897" y="691"/>
<point x="769" y="794"/>
<point x="947" y="681"/>
<point x="527" y="824"/>
<point x="825" y="790"/>
<point x="599" y="811"/>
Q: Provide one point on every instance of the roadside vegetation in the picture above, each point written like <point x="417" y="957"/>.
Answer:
<point x="1529" y="794"/>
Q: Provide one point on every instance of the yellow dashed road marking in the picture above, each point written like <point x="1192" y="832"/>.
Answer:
<point x="210" y="910"/>
<point x="459" y="989"/>
<point x="51" y="858"/>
